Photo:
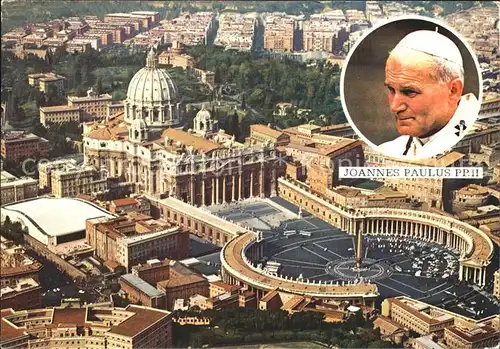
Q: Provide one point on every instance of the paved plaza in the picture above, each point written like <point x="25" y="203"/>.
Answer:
<point x="308" y="248"/>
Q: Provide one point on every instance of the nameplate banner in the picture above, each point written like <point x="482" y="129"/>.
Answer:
<point x="411" y="172"/>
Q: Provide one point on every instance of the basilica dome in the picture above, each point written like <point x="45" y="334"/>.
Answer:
<point x="153" y="96"/>
<point x="152" y="85"/>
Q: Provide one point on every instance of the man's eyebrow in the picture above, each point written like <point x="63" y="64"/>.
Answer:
<point x="401" y="88"/>
<point x="409" y="87"/>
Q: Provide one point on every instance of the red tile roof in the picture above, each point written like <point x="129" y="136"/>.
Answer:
<point x="181" y="281"/>
<point x="124" y="202"/>
<point x="142" y="319"/>
<point x="9" y="331"/>
<point x="266" y="130"/>
<point x="74" y="316"/>
<point x="226" y="287"/>
<point x="189" y="139"/>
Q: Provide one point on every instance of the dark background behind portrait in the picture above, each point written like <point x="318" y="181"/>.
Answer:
<point x="364" y="91"/>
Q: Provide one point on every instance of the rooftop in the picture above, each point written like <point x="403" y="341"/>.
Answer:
<point x="21" y="269"/>
<point x="73" y="316"/>
<point x="17" y="136"/>
<point x="124" y="202"/>
<point x="45" y="212"/>
<point x="473" y="189"/>
<point x="369" y="184"/>
<point x="418" y="309"/>
<point x="7" y="179"/>
<point x="268" y="131"/>
<point x="150" y="235"/>
<point x="386" y="324"/>
<point x="132" y="320"/>
<point x="226" y="287"/>
<point x="46" y="76"/>
<point x="189" y="139"/>
<point x="181" y="281"/>
<point x="141" y="319"/>
<point x="57" y="108"/>
<point x="427" y="342"/>
<point x="202" y="215"/>
<point x="8" y="330"/>
<point x="475" y="335"/>
<point x="141" y="285"/>
<point x="22" y="285"/>
<point x="90" y="98"/>
<point x="442" y="160"/>
<point x="114" y="128"/>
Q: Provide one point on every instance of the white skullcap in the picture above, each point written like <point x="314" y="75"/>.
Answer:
<point x="432" y="43"/>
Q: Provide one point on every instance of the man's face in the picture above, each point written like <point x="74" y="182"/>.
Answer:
<point x="420" y="104"/>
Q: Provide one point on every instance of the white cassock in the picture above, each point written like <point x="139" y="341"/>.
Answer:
<point x="441" y="141"/>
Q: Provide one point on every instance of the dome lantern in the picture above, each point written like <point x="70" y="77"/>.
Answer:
<point x="153" y="97"/>
<point x="152" y="59"/>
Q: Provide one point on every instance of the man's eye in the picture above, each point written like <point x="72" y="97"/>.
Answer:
<point x="391" y="90"/>
<point x="410" y="93"/>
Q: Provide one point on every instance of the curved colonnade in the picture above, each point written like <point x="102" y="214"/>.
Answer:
<point x="475" y="248"/>
<point x="237" y="268"/>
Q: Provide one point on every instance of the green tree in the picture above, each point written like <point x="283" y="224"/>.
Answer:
<point x="99" y="88"/>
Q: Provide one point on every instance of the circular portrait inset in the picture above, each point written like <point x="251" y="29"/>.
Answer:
<point x="411" y="88"/>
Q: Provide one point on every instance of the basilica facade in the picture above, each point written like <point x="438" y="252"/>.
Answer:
<point x="146" y="146"/>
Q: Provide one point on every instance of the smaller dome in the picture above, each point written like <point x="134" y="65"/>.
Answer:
<point x="203" y="114"/>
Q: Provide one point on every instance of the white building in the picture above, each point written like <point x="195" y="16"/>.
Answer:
<point x="53" y="221"/>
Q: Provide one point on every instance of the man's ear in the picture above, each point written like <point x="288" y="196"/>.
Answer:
<point x="456" y="88"/>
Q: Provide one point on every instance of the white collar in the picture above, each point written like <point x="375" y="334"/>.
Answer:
<point x="463" y="113"/>
<point x="466" y="113"/>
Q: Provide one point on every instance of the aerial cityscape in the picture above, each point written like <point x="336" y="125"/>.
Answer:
<point x="170" y="178"/>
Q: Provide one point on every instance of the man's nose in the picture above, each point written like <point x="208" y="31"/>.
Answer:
<point x="397" y="104"/>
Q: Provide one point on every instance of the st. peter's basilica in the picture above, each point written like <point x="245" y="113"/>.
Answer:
<point x="146" y="146"/>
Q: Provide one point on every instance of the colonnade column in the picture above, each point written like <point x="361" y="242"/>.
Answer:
<point x="224" y="189"/>
<point x="193" y="194"/>
<point x="251" y="184"/>
<point x="111" y="167"/>
<point x="203" y="192"/>
<point x="234" y="188"/>
<point x="216" y="179"/>
<point x="119" y="167"/>
<point x="213" y="191"/>
<point x="240" y="193"/>
<point x="273" y="182"/>
<point x="262" y="178"/>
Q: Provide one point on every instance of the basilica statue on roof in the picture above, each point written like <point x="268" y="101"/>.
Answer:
<point x="146" y="147"/>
